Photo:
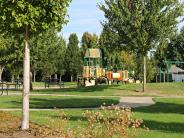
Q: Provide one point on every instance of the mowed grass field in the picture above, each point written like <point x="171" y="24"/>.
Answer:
<point x="52" y="102"/>
<point x="165" y="119"/>
<point x="153" y="89"/>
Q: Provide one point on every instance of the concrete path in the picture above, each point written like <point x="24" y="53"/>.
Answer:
<point x="11" y="109"/>
<point x="135" y="101"/>
<point x="124" y="102"/>
<point x="61" y="95"/>
<point x="49" y="109"/>
<point x="132" y="102"/>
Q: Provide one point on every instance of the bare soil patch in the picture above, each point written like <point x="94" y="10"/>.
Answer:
<point x="10" y="128"/>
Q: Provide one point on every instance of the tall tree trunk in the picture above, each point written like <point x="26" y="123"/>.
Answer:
<point x="55" y="76"/>
<point x="26" y="84"/>
<point x="34" y="76"/>
<point x="12" y="78"/>
<point x="144" y="77"/>
<point x="164" y="76"/>
<point x="60" y="78"/>
<point x="1" y="72"/>
<point x="71" y="78"/>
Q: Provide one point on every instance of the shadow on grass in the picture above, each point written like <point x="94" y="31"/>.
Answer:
<point x="69" y="90"/>
<point x="162" y="107"/>
<point x="41" y="103"/>
<point x="170" y="127"/>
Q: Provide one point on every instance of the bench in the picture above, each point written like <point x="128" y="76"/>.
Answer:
<point x="5" y="86"/>
<point x="55" y="82"/>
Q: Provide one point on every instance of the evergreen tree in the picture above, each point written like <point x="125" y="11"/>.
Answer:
<point x="73" y="63"/>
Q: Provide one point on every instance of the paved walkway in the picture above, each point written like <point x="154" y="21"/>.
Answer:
<point x="124" y="102"/>
<point x="62" y="95"/>
<point x="136" y="101"/>
<point x="11" y="109"/>
<point x="132" y="102"/>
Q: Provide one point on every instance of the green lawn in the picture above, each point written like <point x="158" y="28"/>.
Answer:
<point x="55" y="101"/>
<point x="165" y="119"/>
<point x="42" y="84"/>
<point x="153" y="89"/>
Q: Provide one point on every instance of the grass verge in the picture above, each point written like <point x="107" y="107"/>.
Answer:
<point x="45" y="102"/>
<point x="165" y="119"/>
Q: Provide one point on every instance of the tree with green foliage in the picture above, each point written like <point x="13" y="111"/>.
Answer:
<point x="47" y="55"/>
<point x="175" y="49"/>
<point x="15" y="63"/>
<point x="60" y="57"/>
<point x="10" y="55"/>
<point x="27" y="17"/>
<point x="150" y="69"/>
<point x="140" y="25"/>
<point x="89" y="41"/>
<point x="3" y="54"/>
<point x="73" y="63"/>
<point x="172" y="50"/>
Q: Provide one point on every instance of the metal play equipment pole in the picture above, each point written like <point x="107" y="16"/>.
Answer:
<point x="84" y="65"/>
<point x="128" y="71"/>
<point x="89" y="61"/>
<point x="123" y="68"/>
<point x="95" y="68"/>
<point x="167" y="73"/>
<point x="100" y="58"/>
<point x="160" y="74"/>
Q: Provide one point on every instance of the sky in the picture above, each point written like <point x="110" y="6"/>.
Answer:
<point x="85" y="16"/>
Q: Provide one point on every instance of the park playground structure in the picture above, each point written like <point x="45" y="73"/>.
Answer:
<point x="94" y="73"/>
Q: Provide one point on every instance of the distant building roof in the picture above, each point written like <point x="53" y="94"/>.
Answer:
<point x="175" y="69"/>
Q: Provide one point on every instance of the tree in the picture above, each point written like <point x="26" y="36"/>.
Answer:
<point x="47" y="55"/>
<point x="171" y="50"/>
<point x="10" y="54"/>
<point x="27" y="17"/>
<point x="73" y="63"/>
<point x="140" y="25"/>
<point x="60" y="58"/>
<point x="3" y="54"/>
<point x="89" y="41"/>
<point x="175" y="49"/>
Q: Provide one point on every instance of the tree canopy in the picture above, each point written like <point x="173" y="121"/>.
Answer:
<point x="27" y="17"/>
<point x="138" y="26"/>
<point x="73" y="63"/>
